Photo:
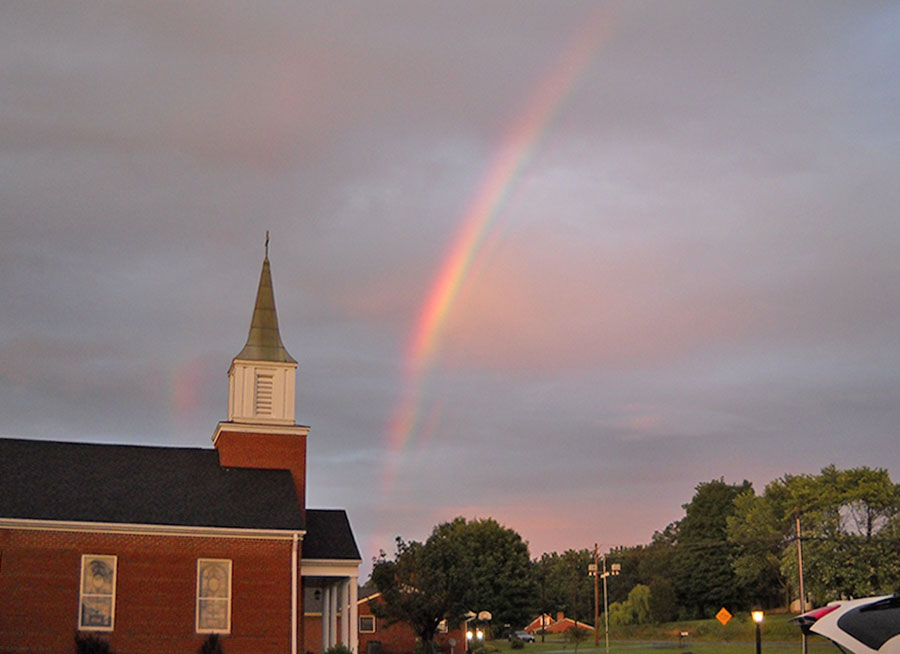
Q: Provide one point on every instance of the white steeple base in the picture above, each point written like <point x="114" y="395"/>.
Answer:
<point x="261" y="392"/>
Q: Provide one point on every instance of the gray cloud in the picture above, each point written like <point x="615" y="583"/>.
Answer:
<point x="693" y="273"/>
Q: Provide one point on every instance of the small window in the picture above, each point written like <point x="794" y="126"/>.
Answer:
<point x="442" y="626"/>
<point x="97" y="596"/>
<point x="213" y="596"/>
<point x="367" y="624"/>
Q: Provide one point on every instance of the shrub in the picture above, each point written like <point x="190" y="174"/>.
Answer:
<point x="91" y="644"/>
<point x="576" y="634"/>
<point x="212" y="645"/>
<point x="340" y="648"/>
<point x="516" y="643"/>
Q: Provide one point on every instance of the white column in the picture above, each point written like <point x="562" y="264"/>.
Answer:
<point x="354" y="615"/>
<point x="345" y="612"/>
<point x="332" y="618"/>
<point x="326" y="617"/>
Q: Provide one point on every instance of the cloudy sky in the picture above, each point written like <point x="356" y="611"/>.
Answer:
<point x="550" y="262"/>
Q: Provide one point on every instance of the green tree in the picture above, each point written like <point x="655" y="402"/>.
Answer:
<point x="663" y="601"/>
<point x="704" y="577"/>
<point x="639" y="600"/>
<point x="759" y="537"/>
<point x="463" y="566"/>
<point x="629" y="574"/>
<point x="576" y="635"/>
<point x="421" y="586"/>
<point x="634" y="610"/>
<point x="619" y="614"/>
<point x="849" y="520"/>
<point x="498" y="565"/>
<point x="565" y="584"/>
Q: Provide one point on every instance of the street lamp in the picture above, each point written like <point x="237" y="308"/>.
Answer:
<point x="758" y="618"/>
<point x="614" y="570"/>
<point x="478" y="635"/>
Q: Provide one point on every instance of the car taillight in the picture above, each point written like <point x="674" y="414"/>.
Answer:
<point x="818" y="614"/>
<point x="810" y="617"/>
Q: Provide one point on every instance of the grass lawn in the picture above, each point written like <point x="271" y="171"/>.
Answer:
<point x="779" y="636"/>
<point x="817" y="646"/>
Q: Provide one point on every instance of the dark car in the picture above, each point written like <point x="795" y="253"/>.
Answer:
<point x="524" y="636"/>
<point x="864" y="626"/>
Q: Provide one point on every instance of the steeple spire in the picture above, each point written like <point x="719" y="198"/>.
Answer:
<point x="260" y="431"/>
<point x="264" y="340"/>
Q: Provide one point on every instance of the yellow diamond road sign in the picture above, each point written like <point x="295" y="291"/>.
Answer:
<point x="723" y="616"/>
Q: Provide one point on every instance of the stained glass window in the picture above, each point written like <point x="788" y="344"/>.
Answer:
<point x="213" y="596"/>
<point x="97" y="597"/>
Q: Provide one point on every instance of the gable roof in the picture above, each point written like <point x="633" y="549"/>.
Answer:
<point x="129" y="484"/>
<point x="329" y="536"/>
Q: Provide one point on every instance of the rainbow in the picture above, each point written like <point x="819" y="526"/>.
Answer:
<point x="481" y="214"/>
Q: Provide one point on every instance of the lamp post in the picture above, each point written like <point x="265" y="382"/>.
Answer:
<point x="592" y="571"/>
<point x="758" y="618"/>
<point x="614" y="570"/>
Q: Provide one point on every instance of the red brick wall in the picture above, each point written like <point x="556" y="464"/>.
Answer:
<point x="155" y="592"/>
<point x="312" y="632"/>
<point x="267" y="451"/>
<point x="400" y="639"/>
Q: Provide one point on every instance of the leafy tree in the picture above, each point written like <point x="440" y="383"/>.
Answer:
<point x="420" y="586"/>
<point x="619" y="614"/>
<point x="629" y="575"/>
<point x="634" y="610"/>
<point x="759" y="537"/>
<point x="850" y="526"/>
<point x="576" y="635"/>
<point x="658" y="558"/>
<point x="663" y="601"/>
<point x="639" y="601"/>
<point x="704" y="577"/>
<point x="847" y="518"/>
<point x="565" y="585"/>
<point x="499" y="568"/>
<point x="463" y="566"/>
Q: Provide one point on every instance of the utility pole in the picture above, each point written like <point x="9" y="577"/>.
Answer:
<point x="800" y="575"/>
<point x="606" y="602"/>
<point x="596" y="600"/>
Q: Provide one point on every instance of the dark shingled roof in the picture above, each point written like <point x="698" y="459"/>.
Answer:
<point x="329" y="536"/>
<point x="83" y="482"/>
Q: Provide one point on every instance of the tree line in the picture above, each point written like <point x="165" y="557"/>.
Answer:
<point x="733" y="548"/>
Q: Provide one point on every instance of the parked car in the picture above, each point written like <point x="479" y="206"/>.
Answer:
<point x="864" y="626"/>
<point x="524" y="636"/>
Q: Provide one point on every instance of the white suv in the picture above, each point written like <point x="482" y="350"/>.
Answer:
<point x="864" y="626"/>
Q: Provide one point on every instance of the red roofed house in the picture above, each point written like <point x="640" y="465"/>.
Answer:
<point x="558" y="626"/>
<point x="154" y="548"/>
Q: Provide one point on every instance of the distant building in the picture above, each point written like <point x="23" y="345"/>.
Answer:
<point x="154" y="548"/>
<point x="559" y="625"/>
<point x="378" y="637"/>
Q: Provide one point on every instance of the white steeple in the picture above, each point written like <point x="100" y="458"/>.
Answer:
<point x="262" y="376"/>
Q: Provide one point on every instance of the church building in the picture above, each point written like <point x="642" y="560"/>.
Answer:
<point x="154" y="548"/>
